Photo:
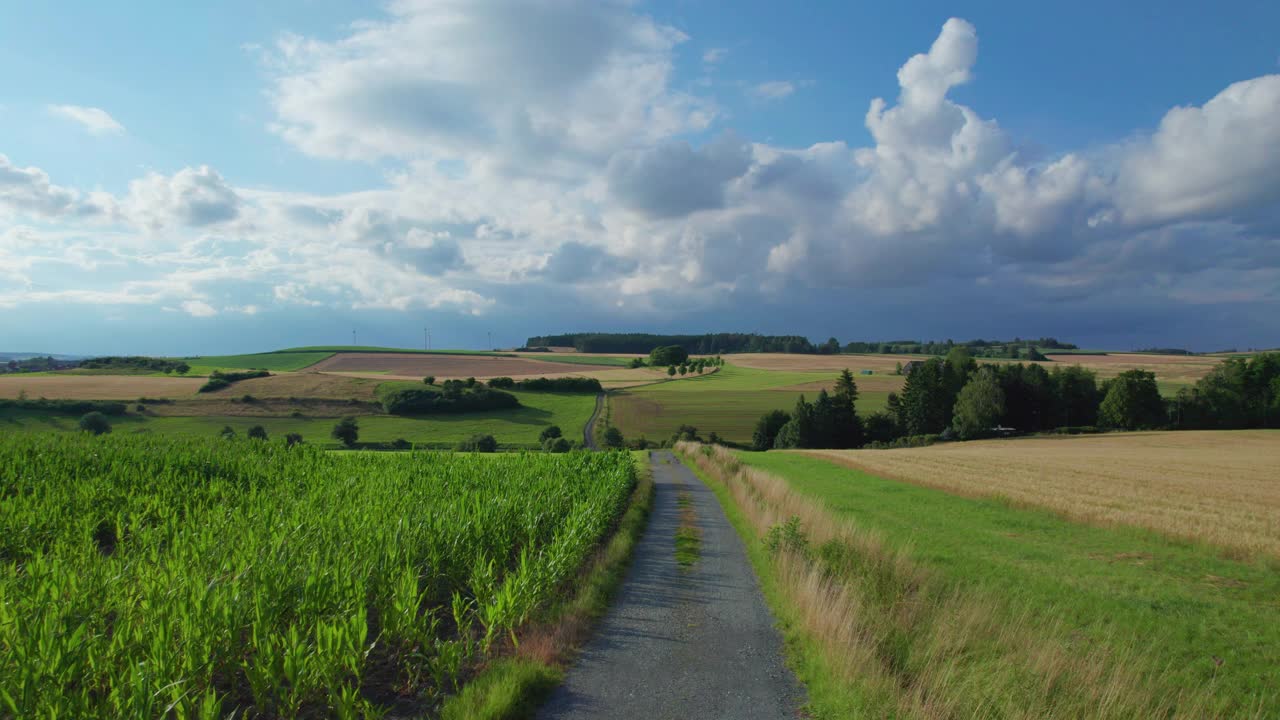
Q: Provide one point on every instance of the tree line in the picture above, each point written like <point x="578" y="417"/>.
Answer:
<point x="704" y="344"/>
<point x="954" y="398"/>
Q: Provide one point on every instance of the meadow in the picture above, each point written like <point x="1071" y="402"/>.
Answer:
<point x="727" y="402"/>
<point x="148" y="577"/>
<point x="902" y="600"/>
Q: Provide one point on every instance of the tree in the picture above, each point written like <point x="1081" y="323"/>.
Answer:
<point x="671" y="371"/>
<point x="668" y="355"/>
<point x="767" y="427"/>
<point x="182" y="368"/>
<point x="556" y="445"/>
<point x="613" y="438"/>
<point x="882" y="427"/>
<point x="429" y="380"/>
<point x="1132" y="402"/>
<point x="799" y="430"/>
<point x="830" y="347"/>
<point x="925" y="404"/>
<point x="96" y="423"/>
<point x="227" y="432"/>
<point x="292" y="439"/>
<point x="549" y="432"/>
<point x="636" y="363"/>
<point x="849" y="430"/>
<point x="479" y="444"/>
<point x="686" y="432"/>
<point x="684" y="370"/>
<point x="347" y="431"/>
<point x="257" y="432"/>
<point x="958" y="366"/>
<point x="1075" y="397"/>
<point x="979" y="406"/>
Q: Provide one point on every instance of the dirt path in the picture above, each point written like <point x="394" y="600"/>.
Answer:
<point x="683" y="643"/>
<point x="589" y="432"/>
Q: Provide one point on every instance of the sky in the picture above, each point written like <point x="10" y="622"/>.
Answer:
<point x="183" y="178"/>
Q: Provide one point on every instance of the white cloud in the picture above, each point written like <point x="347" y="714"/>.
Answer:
<point x="772" y="90"/>
<point x="715" y="56"/>
<point x="96" y="120"/>
<point x="28" y="190"/>
<point x="198" y="308"/>
<point x="194" y="197"/>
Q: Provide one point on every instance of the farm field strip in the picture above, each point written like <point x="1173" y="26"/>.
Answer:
<point x="140" y="577"/>
<point x="284" y="361"/>
<point x="517" y="427"/>
<point x="96" y="387"/>
<point x="984" y="607"/>
<point x="1208" y="486"/>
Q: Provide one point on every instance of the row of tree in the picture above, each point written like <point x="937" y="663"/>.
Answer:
<point x="955" y="398"/>
<point x="705" y="344"/>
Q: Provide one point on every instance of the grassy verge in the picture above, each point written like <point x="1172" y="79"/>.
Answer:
<point x="513" y="685"/>
<point x="688" y="536"/>
<point x="877" y="628"/>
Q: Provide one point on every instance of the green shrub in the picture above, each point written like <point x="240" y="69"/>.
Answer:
<point x="96" y="423"/>
<point x="478" y="443"/>
<point x="454" y="398"/>
<point x="561" y="384"/>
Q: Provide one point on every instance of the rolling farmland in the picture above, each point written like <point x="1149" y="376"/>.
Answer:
<point x="1217" y="487"/>
<point x="140" y="577"/>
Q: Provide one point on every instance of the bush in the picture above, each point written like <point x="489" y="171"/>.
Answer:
<point x="613" y="438"/>
<point x="636" y="363"/>
<point x="561" y="384"/>
<point x="401" y="444"/>
<point x="70" y="407"/>
<point x="293" y="439"/>
<point x="556" y="445"/>
<point x="502" y="383"/>
<point x="453" y="399"/>
<point x="227" y="432"/>
<point x="347" y="431"/>
<point x="257" y="432"/>
<point x="471" y="382"/>
<point x="139" y="408"/>
<point x="430" y="379"/>
<point x="246" y="398"/>
<point x="767" y="427"/>
<point x="549" y="433"/>
<point x="214" y="384"/>
<point x="668" y="355"/>
<point x="478" y="443"/>
<point x="96" y="423"/>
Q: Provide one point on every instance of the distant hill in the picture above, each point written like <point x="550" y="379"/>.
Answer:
<point x="706" y="344"/>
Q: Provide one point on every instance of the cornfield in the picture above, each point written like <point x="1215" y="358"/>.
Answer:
<point x="142" y="577"/>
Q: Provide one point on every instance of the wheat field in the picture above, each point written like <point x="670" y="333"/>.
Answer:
<point x="1217" y="487"/>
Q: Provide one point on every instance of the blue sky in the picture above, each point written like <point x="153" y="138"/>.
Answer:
<point x="183" y="179"/>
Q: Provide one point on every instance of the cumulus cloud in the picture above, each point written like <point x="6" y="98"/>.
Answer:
<point x="772" y="90"/>
<point x="673" y="179"/>
<point x="714" y="56"/>
<point x="194" y="197"/>
<point x="96" y="120"/>
<point x="541" y="151"/>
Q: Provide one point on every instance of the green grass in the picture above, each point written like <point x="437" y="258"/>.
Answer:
<point x="518" y="427"/>
<point x="1214" y="623"/>
<point x="727" y="402"/>
<point x="373" y="349"/>
<point x="284" y="360"/>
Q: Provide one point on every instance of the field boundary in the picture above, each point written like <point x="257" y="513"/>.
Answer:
<point x="523" y="674"/>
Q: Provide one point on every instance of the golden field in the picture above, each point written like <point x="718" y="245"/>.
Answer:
<point x="97" y="387"/>
<point x="1219" y="487"/>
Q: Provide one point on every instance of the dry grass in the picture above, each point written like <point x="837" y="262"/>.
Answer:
<point x="914" y="648"/>
<point x="392" y="366"/>
<point x="97" y="387"/>
<point x="1217" y="487"/>
<point x="302" y="385"/>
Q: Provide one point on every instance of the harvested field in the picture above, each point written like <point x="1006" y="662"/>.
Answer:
<point x="441" y="366"/>
<point x="386" y="366"/>
<point x="1173" y="370"/>
<point x="302" y="385"/>
<point x="97" y="387"/>
<point x="231" y="407"/>
<point x="1217" y="487"/>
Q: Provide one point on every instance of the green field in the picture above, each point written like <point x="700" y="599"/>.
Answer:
<point x="142" y="577"/>
<point x="727" y="402"/>
<point x="518" y="427"/>
<point x="1186" y="617"/>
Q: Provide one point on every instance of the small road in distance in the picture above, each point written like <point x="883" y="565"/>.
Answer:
<point x="681" y="643"/>
<point x="588" y="432"/>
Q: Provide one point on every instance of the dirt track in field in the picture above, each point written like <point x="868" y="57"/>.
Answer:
<point x="97" y="387"/>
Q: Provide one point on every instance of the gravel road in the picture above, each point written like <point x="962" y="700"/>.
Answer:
<point x="589" y="432"/>
<point x="683" y="643"/>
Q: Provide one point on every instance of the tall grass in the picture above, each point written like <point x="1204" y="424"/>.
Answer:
<point x="142" y="577"/>
<point x="900" y="641"/>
